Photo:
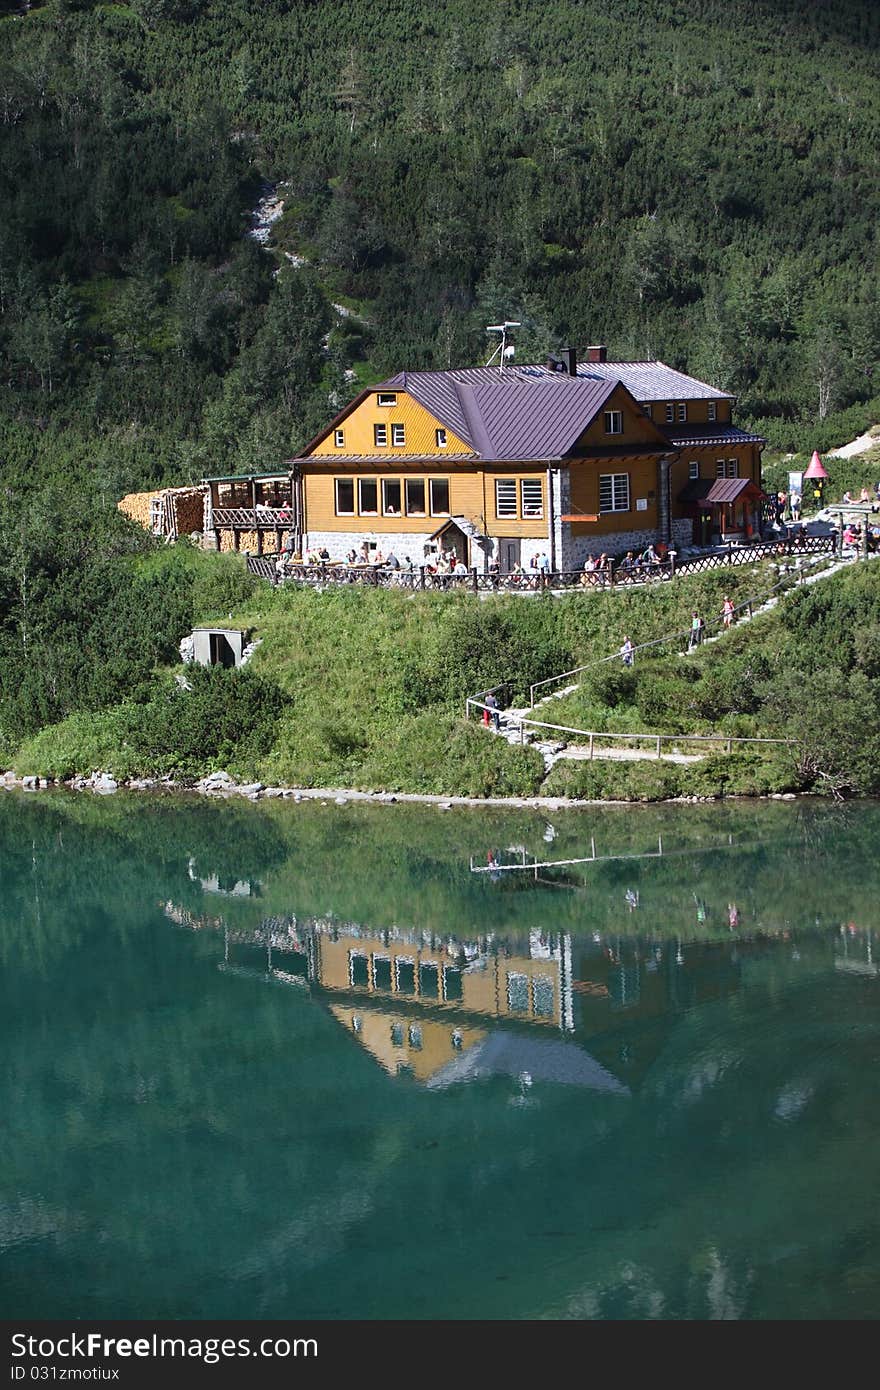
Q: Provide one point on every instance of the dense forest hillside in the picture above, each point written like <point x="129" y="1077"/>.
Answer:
<point x="696" y="181"/>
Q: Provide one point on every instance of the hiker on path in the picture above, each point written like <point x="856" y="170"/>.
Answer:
<point x="727" y="611"/>
<point x="626" y="651"/>
<point x="696" y="632"/>
<point x="492" y="706"/>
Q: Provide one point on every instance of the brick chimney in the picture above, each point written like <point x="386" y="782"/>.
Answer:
<point x="598" y="353"/>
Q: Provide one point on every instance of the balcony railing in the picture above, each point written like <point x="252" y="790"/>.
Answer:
<point x="251" y="518"/>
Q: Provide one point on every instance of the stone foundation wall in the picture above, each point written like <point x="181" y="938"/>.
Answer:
<point x="339" y="543"/>
<point x="575" y="549"/>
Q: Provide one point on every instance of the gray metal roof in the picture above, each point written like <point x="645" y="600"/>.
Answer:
<point x="646" y="381"/>
<point x="699" y="436"/>
<point x="654" y="381"/>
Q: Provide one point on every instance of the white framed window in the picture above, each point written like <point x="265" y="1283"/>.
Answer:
<point x="670" y="412"/>
<point x="391" y="497"/>
<point x="710" y="411"/>
<point x="345" y="496"/>
<point x="733" y="468"/>
<point x="694" y="468"/>
<point x="380" y="436"/>
<point x="415" y="497"/>
<point x="543" y="996"/>
<point x="398" y="435"/>
<point x="614" y="422"/>
<point x="648" y="409"/>
<point x="613" y="492"/>
<point x="339" y="439"/>
<point x="517" y="992"/>
<point x="440" y="437"/>
<point x="439" y="488"/>
<point x="505" y="497"/>
<point x="682" y="411"/>
<point x="358" y="968"/>
<point x="532" y="493"/>
<point x="368" y="496"/>
<point x="386" y="398"/>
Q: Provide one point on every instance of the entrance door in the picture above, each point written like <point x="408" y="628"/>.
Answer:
<point x="221" y="650"/>
<point x="509" y="555"/>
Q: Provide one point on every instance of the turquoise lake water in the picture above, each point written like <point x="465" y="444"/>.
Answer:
<point x="323" y="1062"/>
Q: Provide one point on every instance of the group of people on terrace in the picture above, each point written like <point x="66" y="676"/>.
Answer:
<point x="598" y="569"/>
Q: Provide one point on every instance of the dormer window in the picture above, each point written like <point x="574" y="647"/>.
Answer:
<point x="711" y="411"/>
<point x="614" y="422"/>
<point x="339" y="439"/>
<point x="386" y="398"/>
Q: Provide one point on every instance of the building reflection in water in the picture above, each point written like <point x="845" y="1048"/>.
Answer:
<point x="582" y="1011"/>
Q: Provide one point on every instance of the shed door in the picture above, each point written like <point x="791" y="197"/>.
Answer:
<point x="222" y="653"/>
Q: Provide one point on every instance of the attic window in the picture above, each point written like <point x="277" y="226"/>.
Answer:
<point x="682" y="410"/>
<point x="613" y="422"/>
<point x="441" y="439"/>
<point x="339" y="439"/>
<point x="670" y="413"/>
<point x="398" y="435"/>
<point x="386" y="398"/>
<point x="711" y="411"/>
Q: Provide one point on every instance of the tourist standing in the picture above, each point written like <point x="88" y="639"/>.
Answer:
<point x="626" y="651"/>
<point x="727" y="611"/>
<point x="696" y="632"/>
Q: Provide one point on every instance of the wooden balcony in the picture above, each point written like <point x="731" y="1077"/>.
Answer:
<point x="251" y="518"/>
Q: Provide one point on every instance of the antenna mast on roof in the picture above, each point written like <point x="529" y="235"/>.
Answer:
<point x="504" y="349"/>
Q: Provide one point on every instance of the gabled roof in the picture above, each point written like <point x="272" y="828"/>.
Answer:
<point x="718" y="490"/>
<point x="511" y="415"/>
<point x="535" y="413"/>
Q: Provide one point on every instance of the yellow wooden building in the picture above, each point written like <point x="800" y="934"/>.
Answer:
<point x="500" y="464"/>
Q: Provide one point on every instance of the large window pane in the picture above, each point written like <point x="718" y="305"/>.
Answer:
<point x="505" y="497"/>
<point x="532" y="497"/>
<point x="345" y="497"/>
<point x="368" y="490"/>
<point x="415" y="497"/>
<point x="391" y="496"/>
<point x="439" y="497"/>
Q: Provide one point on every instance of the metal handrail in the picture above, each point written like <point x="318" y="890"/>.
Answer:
<point x="659" y="739"/>
<point x="748" y="604"/>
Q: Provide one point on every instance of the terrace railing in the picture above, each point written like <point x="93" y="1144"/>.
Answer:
<point x="251" y="518"/>
<point x="481" y="582"/>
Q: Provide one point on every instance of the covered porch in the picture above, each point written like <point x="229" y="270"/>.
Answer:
<point x="726" y="508"/>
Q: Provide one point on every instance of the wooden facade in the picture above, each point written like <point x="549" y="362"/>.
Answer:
<point x="503" y="464"/>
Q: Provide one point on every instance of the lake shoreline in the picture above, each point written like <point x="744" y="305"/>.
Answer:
<point x="220" y="786"/>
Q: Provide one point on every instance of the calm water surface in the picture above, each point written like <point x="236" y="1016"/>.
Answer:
<point x="285" y="1061"/>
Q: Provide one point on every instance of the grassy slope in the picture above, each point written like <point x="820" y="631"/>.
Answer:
<point x="368" y="687"/>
